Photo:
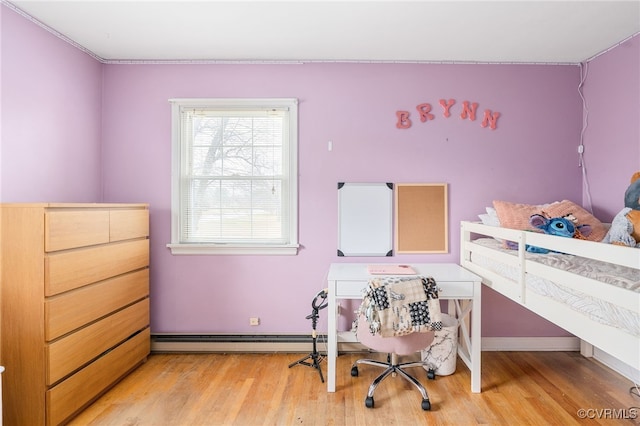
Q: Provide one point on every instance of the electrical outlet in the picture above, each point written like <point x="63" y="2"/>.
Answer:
<point x="254" y="321"/>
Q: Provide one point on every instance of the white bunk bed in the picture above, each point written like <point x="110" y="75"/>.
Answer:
<point x="601" y="309"/>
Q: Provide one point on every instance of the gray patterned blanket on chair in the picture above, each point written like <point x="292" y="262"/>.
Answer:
<point x="396" y="306"/>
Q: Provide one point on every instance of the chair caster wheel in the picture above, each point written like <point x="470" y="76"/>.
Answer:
<point x="354" y="371"/>
<point x="368" y="402"/>
<point x="431" y="374"/>
<point x="426" y="405"/>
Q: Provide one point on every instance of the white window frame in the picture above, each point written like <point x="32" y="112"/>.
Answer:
<point x="256" y="248"/>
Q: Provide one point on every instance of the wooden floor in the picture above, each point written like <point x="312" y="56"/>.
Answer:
<point x="535" y="388"/>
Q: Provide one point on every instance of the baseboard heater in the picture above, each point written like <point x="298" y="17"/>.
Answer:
<point x="169" y="342"/>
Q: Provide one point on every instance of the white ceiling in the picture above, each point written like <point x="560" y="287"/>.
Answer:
<point x="431" y="31"/>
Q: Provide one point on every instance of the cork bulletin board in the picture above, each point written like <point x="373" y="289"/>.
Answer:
<point x="421" y="224"/>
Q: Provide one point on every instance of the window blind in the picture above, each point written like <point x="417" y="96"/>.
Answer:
<point x="235" y="183"/>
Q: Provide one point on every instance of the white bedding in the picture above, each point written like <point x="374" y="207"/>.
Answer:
<point x="596" y="309"/>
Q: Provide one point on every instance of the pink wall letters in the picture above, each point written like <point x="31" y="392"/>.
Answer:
<point x="468" y="111"/>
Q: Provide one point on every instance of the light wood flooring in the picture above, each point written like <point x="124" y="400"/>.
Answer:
<point x="518" y="388"/>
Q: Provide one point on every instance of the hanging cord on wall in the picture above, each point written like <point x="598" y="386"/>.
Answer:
<point x="584" y="69"/>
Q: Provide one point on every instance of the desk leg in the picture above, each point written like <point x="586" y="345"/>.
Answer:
<point x="332" y="335"/>
<point x="469" y="344"/>
<point x="476" y="340"/>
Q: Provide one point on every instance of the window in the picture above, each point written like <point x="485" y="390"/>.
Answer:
<point x="234" y="176"/>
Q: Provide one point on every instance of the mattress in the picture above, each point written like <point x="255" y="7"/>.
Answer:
<point x="596" y="309"/>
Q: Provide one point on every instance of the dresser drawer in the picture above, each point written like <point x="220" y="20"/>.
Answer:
<point x="351" y="289"/>
<point x="77" y="349"/>
<point x="128" y="223"/>
<point x="73" y="269"/>
<point x="447" y="289"/>
<point x="72" y="310"/>
<point x="455" y="290"/>
<point x="75" y="392"/>
<point x="65" y="229"/>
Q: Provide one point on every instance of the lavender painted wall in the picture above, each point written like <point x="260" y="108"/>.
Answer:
<point x="116" y="117"/>
<point x="51" y="117"/>
<point x="530" y="157"/>
<point x="612" y="139"/>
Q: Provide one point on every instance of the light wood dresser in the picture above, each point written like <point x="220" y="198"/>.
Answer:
<point x="74" y="305"/>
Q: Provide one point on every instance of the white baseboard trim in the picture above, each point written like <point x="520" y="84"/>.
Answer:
<point x="533" y="344"/>
<point x="530" y="344"/>
<point x="616" y="365"/>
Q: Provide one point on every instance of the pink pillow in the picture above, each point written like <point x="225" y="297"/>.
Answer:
<point x="516" y="216"/>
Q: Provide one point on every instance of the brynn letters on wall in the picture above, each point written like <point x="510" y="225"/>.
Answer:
<point x="469" y="110"/>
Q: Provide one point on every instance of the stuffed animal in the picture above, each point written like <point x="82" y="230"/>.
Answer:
<point x="625" y="227"/>
<point x="559" y="226"/>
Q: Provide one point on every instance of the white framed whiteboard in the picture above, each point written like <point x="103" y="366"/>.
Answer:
<point x="365" y="221"/>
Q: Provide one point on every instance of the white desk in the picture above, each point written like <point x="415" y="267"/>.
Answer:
<point x="460" y="287"/>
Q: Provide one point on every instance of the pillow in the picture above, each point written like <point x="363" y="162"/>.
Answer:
<point x="490" y="218"/>
<point x="516" y="216"/>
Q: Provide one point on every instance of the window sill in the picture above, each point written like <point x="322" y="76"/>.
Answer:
<point x="224" y="249"/>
